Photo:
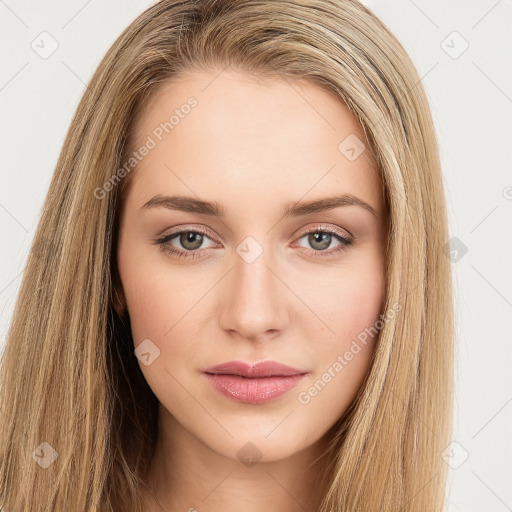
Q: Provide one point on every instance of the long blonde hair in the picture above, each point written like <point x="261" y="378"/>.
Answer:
<point x="68" y="375"/>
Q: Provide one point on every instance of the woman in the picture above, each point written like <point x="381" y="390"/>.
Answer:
<point x="237" y="294"/>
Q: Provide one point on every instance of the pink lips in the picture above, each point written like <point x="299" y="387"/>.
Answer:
<point x="253" y="384"/>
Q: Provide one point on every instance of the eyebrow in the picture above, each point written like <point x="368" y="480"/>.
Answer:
<point x="293" y="209"/>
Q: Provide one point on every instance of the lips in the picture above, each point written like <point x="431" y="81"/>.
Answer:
<point x="258" y="370"/>
<point x="253" y="383"/>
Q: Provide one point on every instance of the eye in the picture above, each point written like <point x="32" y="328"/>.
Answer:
<point x="320" y="238"/>
<point x="189" y="239"/>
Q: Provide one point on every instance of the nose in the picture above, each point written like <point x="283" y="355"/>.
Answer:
<point x="255" y="300"/>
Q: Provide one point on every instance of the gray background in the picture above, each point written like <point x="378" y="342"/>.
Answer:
<point x="470" y="91"/>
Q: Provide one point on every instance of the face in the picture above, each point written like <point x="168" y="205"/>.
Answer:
<point x="246" y="265"/>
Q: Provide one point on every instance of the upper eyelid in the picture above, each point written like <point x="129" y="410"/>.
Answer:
<point x="179" y="230"/>
<point x="336" y="231"/>
<point x="324" y="227"/>
<point x="320" y="227"/>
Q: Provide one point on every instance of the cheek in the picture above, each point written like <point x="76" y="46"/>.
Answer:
<point x="359" y="307"/>
<point x="350" y="307"/>
<point x="161" y="308"/>
<point x="349" y="302"/>
<point x="157" y="297"/>
<point x="165" y="307"/>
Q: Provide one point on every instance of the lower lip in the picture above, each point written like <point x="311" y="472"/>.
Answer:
<point x="253" y="391"/>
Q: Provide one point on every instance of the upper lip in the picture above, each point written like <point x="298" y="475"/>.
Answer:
<point x="254" y="370"/>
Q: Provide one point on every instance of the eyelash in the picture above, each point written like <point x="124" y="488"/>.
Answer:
<point x="164" y="242"/>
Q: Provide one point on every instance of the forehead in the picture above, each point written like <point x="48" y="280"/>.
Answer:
<point x="263" y="137"/>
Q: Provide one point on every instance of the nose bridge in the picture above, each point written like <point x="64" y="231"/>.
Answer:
<point x="254" y="300"/>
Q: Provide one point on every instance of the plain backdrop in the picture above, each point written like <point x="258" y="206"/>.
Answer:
<point x="463" y="53"/>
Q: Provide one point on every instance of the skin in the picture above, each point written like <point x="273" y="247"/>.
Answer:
<point x="252" y="146"/>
